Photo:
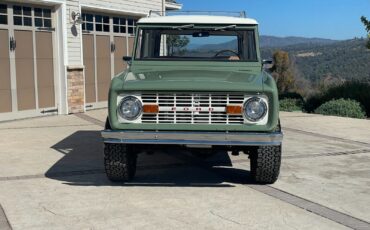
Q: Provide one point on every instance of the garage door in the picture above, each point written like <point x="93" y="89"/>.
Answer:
<point x="5" y="86"/>
<point x="26" y="61"/>
<point x="106" y="39"/>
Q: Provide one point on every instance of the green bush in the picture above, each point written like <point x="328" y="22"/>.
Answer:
<point x="291" y="104"/>
<point x="341" y="107"/>
<point x="354" y="90"/>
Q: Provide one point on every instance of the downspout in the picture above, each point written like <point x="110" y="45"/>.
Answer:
<point x="163" y="7"/>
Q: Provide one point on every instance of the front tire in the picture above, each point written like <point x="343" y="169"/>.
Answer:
<point x="265" y="164"/>
<point x="120" y="162"/>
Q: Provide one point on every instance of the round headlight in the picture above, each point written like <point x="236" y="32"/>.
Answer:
<point x="130" y="108"/>
<point x="255" y="109"/>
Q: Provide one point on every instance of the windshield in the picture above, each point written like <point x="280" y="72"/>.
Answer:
<point x="196" y="44"/>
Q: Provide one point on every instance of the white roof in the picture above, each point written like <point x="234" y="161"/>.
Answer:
<point x="199" y="19"/>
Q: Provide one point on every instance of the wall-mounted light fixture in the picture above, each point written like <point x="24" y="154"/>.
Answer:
<point x="76" y="18"/>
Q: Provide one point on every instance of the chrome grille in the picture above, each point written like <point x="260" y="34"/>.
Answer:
<point x="213" y="108"/>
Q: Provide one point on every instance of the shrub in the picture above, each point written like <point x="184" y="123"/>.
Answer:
<point x="354" y="90"/>
<point x="341" y="107"/>
<point x="291" y="104"/>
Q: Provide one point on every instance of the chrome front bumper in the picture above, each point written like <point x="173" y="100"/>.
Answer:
<point x="192" y="138"/>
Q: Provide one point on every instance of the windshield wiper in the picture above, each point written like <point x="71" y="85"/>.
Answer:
<point x="183" y="27"/>
<point x="225" y="27"/>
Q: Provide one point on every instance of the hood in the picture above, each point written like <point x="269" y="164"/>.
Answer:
<point x="193" y="80"/>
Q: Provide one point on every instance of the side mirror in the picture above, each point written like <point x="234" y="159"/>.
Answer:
<point x="267" y="63"/>
<point x="127" y="59"/>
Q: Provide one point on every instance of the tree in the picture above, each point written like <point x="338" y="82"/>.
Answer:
<point x="282" y="72"/>
<point x="176" y="43"/>
<point x="367" y="28"/>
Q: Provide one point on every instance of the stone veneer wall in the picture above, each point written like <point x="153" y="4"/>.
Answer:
<point x="76" y="90"/>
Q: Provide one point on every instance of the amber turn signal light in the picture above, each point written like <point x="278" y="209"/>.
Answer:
<point x="234" y="109"/>
<point x="150" y="109"/>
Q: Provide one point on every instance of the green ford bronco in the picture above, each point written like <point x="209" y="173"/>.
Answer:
<point x="198" y="82"/>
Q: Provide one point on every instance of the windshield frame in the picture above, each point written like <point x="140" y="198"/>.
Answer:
<point x="196" y="26"/>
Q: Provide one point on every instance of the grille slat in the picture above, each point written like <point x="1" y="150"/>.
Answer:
<point x="205" y="101"/>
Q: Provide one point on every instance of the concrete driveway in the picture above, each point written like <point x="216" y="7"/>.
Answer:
<point x="52" y="177"/>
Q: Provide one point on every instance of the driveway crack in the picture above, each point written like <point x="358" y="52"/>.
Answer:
<point x="225" y="218"/>
<point x="48" y="210"/>
<point x="4" y="222"/>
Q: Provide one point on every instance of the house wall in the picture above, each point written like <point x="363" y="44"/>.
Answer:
<point x="74" y="44"/>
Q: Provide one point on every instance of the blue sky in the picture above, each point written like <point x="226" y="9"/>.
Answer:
<point x="335" y="19"/>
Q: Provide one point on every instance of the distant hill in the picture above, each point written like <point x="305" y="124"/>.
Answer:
<point x="316" y="59"/>
<point x="273" y="41"/>
<point x="270" y="42"/>
<point x="343" y="60"/>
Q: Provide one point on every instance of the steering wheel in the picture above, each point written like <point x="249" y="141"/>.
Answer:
<point x="224" y="51"/>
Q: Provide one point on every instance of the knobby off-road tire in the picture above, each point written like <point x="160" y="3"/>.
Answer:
<point x="265" y="164"/>
<point x="120" y="162"/>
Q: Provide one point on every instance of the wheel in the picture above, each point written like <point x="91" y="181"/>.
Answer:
<point x="265" y="164"/>
<point x="120" y="162"/>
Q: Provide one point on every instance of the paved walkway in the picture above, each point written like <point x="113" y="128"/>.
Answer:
<point x="51" y="177"/>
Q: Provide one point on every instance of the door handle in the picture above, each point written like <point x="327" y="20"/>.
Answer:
<point x="11" y="43"/>
<point x="112" y="47"/>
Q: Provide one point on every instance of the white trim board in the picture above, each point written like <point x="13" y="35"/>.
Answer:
<point x="110" y="10"/>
